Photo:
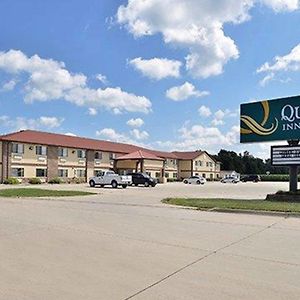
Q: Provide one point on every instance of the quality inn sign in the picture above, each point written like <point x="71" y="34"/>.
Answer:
<point x="270" y="120"/>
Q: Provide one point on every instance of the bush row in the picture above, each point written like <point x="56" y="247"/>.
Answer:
<point x="56" y="180"/>
<point x="11" y="180"/>
<point x="276" y="177"/>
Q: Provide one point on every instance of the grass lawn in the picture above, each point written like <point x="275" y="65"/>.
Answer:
<point x="231" y="204"/>
<point x="32" y="192"/>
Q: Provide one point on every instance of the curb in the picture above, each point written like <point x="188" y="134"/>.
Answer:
<point x="239" y="211"/>
<point x="256" y="212"/>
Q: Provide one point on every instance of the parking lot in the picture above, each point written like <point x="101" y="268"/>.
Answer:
<point x="126" y="244"/>
<point x="153" y="196"/>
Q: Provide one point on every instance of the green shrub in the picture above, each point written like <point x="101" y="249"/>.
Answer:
<point x="275" y="177"/>
<point x="55" y="180"/>
<point x="80" y="180"/>
<point x="280" y="192"/>
<point x="11" y="180"/>
<point x="35" y="181"/>
<point x="172" y="179"/>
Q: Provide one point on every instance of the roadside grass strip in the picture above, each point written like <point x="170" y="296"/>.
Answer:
<point x="32" y="192"/>
<point x="235" y="204"/>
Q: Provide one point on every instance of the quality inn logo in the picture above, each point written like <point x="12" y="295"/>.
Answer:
<point x="252" y="126"/>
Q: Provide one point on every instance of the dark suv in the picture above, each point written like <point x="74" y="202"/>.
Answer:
<point x="142" y="178"/>
<point x="253" y="178"/>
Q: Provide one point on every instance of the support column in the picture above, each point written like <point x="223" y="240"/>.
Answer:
<point x="137" y="166"/>
<point x="142" y="165"/>
<point x="163" y="173"/>
<point x="192" y="168"/>
<point x="115" y="167"/>
<point x="52" y="162"/>
<point x="90" y="162"/>
<point x="6" y="160"/>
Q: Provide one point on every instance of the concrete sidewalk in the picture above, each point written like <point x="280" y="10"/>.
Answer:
<point x="99" y="247"/>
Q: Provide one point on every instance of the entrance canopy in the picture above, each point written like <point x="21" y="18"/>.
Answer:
<point x="139" y="161"/>
<point x="139" y="155"/>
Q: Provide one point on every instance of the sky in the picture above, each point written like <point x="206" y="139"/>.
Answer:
<point x="167" y="75"/>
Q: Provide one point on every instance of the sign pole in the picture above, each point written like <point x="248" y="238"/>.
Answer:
<point x="293" y="170"/>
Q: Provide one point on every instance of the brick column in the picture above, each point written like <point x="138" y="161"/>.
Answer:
<point x="115" y="166"/>
<point x="163" y="173"/>
<point x="142" y="165"/>
<point x="90" y="163"/>
<point x="52" y="162"/>
<point x="6" y="160"/>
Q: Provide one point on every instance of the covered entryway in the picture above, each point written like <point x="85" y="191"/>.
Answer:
<point x="140" y="161"/>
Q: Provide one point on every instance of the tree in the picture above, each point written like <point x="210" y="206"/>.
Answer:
<point x="246" y="163"/>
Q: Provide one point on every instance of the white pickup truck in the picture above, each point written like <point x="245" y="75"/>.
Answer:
<point x="110" y="178"/>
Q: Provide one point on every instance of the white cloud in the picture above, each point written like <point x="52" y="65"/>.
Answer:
<point x="4" y="120"/>
<point x="195" y="25"/>
<point x="218" y="117"/>
<point x="111" y="135"/>
<point x="267" y="79"/>
<point x="92" y="111"/>
<point x="204" y="111"/>
<point x="9" y="85"/>
<point x="21" y="123"/>
<point x="70" y="134"/>
<point x="113" y="99"/>
<point x="216" y="122"/>
<point x="50" y="122"/>
<point x="102" y="78"/>
<point x="139" y="135"/>
<point x="185" y="91"/>
<point x="134" y="137"/>
<point x="287" y="63"/>
<point x="282" y="5"/>
<point x="138" y="122"/>
<point x="157" y="68"/>
<point x="200" y="137"/>
<point x="220" y="114"/>
<point x="50" y="80"/>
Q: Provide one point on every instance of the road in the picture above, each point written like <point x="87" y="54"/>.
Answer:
<point x="125" y="244"/>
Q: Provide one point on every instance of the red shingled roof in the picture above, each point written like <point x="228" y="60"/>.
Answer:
<point x="140" y="154"/>
<point x="188" y="155"/>
<point x="163" y="154"/>
<point x="62" y="140"/>
<point x="192" y="155"/>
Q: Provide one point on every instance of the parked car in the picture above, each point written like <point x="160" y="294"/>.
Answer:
<point x="194" y="180"/>
<point x="253" y="178"/>
<point x="110" y="178"/>
<point x="142" y="178"/>
<point x="230" y="179"/>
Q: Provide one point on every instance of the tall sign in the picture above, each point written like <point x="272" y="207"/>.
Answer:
<point x="270" y="120"/>
<point x="275" y="120"/>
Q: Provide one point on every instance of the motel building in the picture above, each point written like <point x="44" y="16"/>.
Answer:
<point x="28" y="154"/>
